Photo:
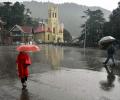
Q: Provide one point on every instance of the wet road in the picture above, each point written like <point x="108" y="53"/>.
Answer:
<point x="54" y="58"/>
<point x="47" y="62"/>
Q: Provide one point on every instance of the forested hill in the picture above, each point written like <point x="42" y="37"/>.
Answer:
<point x="69" y="13"/>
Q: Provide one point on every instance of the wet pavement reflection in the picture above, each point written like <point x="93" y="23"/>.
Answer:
<point x="108" y="84"/>
<point x="53" y="58"/>
<point x="24" y="95"/>
<point x="58" y="68"/>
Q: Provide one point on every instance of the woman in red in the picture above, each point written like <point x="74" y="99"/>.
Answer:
<point x="23" y="61"/>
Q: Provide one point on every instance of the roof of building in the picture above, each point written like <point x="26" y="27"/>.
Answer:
<point x="24" y="29"/>
<point x="30" y="29"/>
<point x="39" y="29"/>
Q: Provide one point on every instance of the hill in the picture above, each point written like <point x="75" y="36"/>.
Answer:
<point x="69" y="14"/>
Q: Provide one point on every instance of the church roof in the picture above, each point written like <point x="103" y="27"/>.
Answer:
<point x="39" y="29"/>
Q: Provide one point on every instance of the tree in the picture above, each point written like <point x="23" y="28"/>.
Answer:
<point x="12" y="14"/>
<point x="67" y="36"/>
<point x="5" y="13"/>
<point x="93" y="27"/>
<point x="113" y="26"/>
<point x="16" y="14"/>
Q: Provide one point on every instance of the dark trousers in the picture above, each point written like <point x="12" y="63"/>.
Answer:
<point x="23" y="79"/>
<point x="108" y="58"/>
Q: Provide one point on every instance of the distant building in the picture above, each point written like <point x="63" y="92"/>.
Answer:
<point x="47" y="32"/>
<point x="52" y="31"/>
<point x="22" y="34"/>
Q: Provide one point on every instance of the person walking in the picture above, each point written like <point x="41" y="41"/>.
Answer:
<point x="110" y="54"/>
<point x="23" y="61"/>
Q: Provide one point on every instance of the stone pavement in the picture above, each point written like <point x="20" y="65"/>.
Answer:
<point x="64" y="84"/>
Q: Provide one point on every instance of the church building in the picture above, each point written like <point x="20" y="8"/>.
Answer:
<point x="49" y="32"/>
<point x="52" y="30"/>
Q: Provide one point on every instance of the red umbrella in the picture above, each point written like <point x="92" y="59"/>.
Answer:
<point x="28" y="48"/>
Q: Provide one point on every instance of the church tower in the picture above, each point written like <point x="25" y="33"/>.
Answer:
<point x="53" y="15"/>
<point x="53" y="24"/>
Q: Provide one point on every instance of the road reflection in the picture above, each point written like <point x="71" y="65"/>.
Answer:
<point x="24" y="95"/>
<point x="54" y="54"/>
<point x="53" y="58"/>
<point x="49" y="58"/>
<point x="109" y="84"/>
<point x="7" y="62"/>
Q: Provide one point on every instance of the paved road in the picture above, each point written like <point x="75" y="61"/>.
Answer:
<point x="64" y="84"/>
<point x="59" y="73"/>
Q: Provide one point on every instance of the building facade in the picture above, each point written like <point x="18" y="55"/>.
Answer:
<point x="52" y="30"/>
<point x="21" y="34"/>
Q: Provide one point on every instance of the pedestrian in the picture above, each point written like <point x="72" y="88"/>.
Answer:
<point x="110" y="54"/>
<point x="23" y="61"/>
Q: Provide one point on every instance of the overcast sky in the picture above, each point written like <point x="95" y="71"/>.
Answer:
<point x="107" y="4"/>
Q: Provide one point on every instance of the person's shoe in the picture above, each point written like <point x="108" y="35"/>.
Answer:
<point x="24" y="86"/>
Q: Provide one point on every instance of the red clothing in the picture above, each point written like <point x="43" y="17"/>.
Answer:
<point x="23" y="60"/>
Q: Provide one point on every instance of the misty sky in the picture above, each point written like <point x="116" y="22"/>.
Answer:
<point x="107" y="4"/>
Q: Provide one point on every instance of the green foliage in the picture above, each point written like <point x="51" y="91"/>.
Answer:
<point x="93" y="27"/>
<point x="113" y="26"/>
<point x="12" y="14"/>
<point x="16" y="14"/>
<point x="67" y="36"/>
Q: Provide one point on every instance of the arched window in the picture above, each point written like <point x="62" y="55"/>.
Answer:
<point x="48" y="37"/>
<point x="54" y="30"/>
<point x="55" y="15"/>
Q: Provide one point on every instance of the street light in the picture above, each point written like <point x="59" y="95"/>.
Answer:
<point x="85" y="37"/>
<point x="85" y="33"/>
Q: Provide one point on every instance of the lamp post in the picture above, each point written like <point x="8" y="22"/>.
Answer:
<point x="85" y="33"/>
<point x="85" y="37"/>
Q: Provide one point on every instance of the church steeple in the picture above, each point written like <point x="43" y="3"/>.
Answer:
<point x="53" y="12"/>
<point x="53" y="20"/>
<point x="56" y="34"/>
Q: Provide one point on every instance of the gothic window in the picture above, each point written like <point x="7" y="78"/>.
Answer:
<point x="49" y="30"/>
<point x="54" y="30"/>
<point x="55" y="15"/>
<point x="48" y="37"/>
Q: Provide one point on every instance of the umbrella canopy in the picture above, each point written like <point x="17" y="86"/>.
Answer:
<point x="106" y="39"/>
<point x="28" y="48"/>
